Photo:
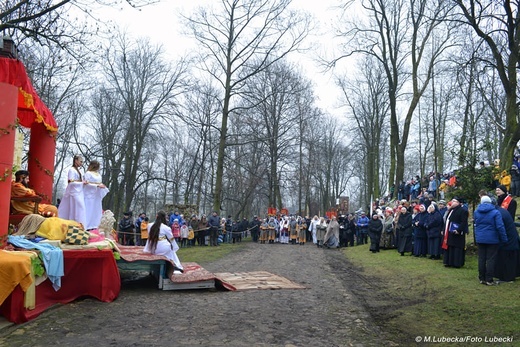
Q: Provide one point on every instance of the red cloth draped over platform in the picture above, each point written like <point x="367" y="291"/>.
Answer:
<point x="30" y="107"/>
<point x="89" y="272"/>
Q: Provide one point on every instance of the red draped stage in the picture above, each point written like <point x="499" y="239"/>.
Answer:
<point x="21" y="105"/>
<point x="90" y="272"/>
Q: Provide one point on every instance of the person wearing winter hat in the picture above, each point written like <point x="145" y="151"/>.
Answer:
<point x="455" y="230"/>
<point x="505" y="200"/>
<point x="489" y="234"/>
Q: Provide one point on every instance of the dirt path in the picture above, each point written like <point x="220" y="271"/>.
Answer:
<point x="327" y="313"/>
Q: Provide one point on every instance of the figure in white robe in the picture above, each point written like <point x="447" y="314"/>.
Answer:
<point x="72" y="205"/>
<point x="94" y="192"/>
<point x="166" y="245"/>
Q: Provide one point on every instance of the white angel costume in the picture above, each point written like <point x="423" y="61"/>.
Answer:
<point x="72" y="205"/>
<point x="94" y="194"/>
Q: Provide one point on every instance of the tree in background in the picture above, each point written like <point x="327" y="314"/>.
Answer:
<point x="231" y="37"/>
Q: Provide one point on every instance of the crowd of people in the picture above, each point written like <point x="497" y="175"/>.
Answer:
<point x="426" y="227"/>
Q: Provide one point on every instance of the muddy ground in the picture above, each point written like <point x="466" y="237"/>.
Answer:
<point x="340" y="307"/>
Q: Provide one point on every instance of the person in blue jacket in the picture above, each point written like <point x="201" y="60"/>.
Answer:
<point x="362" y="229"/>
<point x="489" y="234"/>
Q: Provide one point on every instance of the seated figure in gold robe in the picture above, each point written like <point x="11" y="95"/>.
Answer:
<point x="20" y="189"/>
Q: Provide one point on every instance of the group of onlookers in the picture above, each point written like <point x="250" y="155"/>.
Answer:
<point x="438" y="229"/>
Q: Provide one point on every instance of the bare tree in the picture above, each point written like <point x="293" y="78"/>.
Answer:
<point x="400" y="35"/>
<point x="139" y="93"/>
<point x="54" y="23"/>
<point x="497" y="24"/>
<point x="231" y="38"/>
<point x="366" y="100"/>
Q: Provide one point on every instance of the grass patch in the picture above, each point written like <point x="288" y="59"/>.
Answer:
<point x="207" y="254"/>
<point x="420" y="297"/>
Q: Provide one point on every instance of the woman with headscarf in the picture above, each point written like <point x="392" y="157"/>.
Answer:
<point x="375" y="228"/>
<point x="434" y="223"/>
<point x="387" y="236"/>
<point x="161" y="241"/>
<point x="455" y="230"/>
<point x="420" y="246"/>
<point x="404" y="229"/>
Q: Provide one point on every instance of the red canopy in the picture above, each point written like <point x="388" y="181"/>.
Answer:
<point x="30" y="107"/>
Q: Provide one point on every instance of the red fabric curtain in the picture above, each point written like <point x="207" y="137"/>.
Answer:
<point x="30" y="107"/>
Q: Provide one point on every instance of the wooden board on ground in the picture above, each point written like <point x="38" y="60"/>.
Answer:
<point x="194" y="277"/>
<point x="255" y="280"/>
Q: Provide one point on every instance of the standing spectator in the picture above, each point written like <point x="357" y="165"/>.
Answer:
<point x="362" y="229"/>
<point x="375" y="228"/>
<point x="244" y="225"/>
<point x="400" y="191"/>
<point x="229" y="228"/>
<point x="432" y="186"/>
<point x="138" y="222"/>
<point x="507" y="256"/>
<point x="443" y="209"/>
<point x="194" y="224"/>
<point x="434" y="223"/>
<point x="255" y="228"/>
<point x="214" y="222"/>
<point x="126" y="230"/>
<point x="387" y="236"/>
<point x="489" y="233"/>
<point x="351" y="229"/>
<point x="455" y="230"/>
<point x="420" y="246"/>
<point x="505" y="200"/>
<point x="203" y="230"/>
<point x="176" y="215"/>
<point x="515" y="181"/>
<point x="191" y="236"/>
<point x="184" y="235"/>
<point x="144" y="230"/>
<point x="72" y="205"/>
<point x="505" y="179"/>
<point x="404" y="229"/>
<point x="176" y="230"/>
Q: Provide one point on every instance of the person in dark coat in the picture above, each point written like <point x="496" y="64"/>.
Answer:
<point x="506" y="268"/>
<point x="455" y="230"/>
<point x="404" y="229"/>
<point x="420" y="246"/>
<point x="434" y="223"/>
<point x="255" y="228"/>
<point x="489" y="234"/>
<point x="375" y="228"/>
<point x="351" y="230"/>
<point x="505" y="200"/>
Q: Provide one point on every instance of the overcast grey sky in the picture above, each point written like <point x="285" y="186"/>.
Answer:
<point x="160" y="23"/>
